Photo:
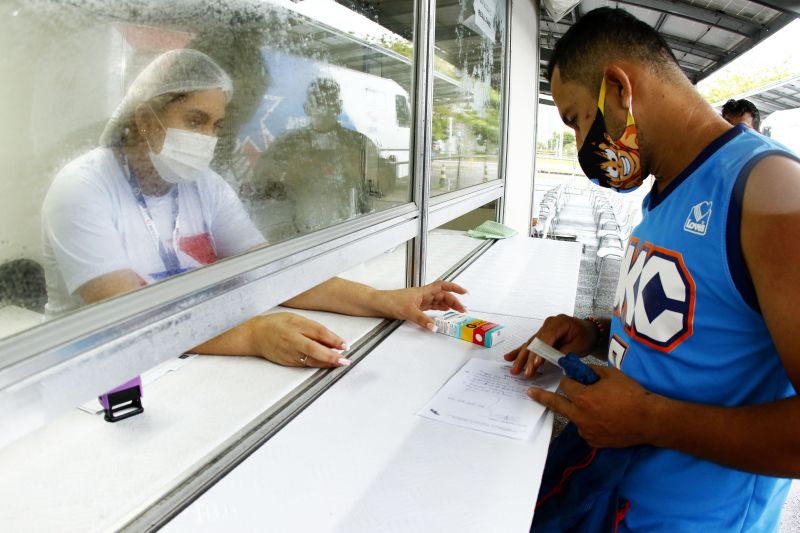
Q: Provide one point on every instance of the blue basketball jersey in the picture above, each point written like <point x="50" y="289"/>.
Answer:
<point x="687" y="325"/>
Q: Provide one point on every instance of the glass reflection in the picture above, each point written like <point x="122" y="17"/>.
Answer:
<point x="284" y="161"/>
<point x="324" y="170"/>
<point x="467" y="102"/>
<point x="328" y="142"/>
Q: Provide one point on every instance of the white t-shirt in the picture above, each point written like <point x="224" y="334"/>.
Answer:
<point x="92" y="225"/>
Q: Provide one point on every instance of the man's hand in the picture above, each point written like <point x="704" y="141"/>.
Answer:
<point x="564" y="333"/>
<point x="409" y="304"/>
<point x="614" y="412"/>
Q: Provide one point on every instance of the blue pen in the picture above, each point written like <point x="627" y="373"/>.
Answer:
<point x="573" y="367"/>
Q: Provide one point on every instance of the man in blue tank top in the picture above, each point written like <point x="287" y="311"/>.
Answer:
<point x="695" y="424"/>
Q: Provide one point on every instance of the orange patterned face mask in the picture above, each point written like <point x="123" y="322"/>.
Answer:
<point x="608" y="162"/>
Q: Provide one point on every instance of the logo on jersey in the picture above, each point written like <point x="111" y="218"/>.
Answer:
<point x="616" y="351"/>
<point x="655" y="296"/>
<point x="698" y="219"/>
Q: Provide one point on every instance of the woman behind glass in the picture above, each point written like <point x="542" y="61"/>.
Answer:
<point x="145" y="206"/>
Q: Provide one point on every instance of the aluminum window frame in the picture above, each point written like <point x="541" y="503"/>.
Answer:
<point x="47" y="370"/>
<point x="57" y="373"/>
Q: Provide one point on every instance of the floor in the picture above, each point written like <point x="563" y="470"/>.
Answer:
<point x="576" y="219"/>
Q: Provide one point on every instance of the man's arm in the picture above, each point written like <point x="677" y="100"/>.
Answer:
<point x="616" y="411"/>
<point x="763" y="438"/>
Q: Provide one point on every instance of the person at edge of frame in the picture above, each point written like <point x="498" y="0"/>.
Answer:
<point x="692" y="426"/>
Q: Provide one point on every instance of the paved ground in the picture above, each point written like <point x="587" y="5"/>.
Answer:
<point x="576" y="219"/>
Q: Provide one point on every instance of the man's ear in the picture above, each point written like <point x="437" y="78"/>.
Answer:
<point x="618" y="87"/>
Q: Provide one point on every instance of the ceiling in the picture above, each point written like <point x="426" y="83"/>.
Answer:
<point x="704" y="34"/>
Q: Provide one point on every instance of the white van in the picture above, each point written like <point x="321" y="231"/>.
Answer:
<point x="374" y="106"/>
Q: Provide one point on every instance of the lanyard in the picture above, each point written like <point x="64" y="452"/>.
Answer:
<point x="169" y="256"/>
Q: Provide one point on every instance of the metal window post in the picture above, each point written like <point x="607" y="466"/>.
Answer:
<point x="424" y="34"/>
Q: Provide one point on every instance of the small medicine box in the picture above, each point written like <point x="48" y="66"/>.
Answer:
<point x="470" y="329"/>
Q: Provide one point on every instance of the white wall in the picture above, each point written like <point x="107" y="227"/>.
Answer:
<point x="524" y="85"/>
<point x="57" y="93"/>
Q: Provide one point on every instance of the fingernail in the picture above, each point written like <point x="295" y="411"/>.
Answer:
<point x="433" y="327"/>
<point x="344" y="346"/>
<point x="343" y="361"/>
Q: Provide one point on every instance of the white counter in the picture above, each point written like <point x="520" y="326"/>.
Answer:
<point x="82" y="474"/>
<point x="360" y="460"/>
<point x="357" y="459"/>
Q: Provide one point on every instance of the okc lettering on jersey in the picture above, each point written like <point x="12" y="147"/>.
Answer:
<point x="655" y="296"/>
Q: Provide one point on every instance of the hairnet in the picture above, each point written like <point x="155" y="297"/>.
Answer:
<point x="176" y="71"/>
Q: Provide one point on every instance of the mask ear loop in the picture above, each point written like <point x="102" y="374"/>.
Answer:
<point x="601" y="99"/>
<point x="601" y="103"/>
<point x="159" y="123"/>
<point x="630" y="120"/>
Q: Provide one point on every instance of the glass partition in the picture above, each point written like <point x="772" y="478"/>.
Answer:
<point x="194" y="406"/>
<point x="386" y="271"/>
<point x="449" y="244"/>
<point x="467" y="93"/>
<point x="145" y="140"/>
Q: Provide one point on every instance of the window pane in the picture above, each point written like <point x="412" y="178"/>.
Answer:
<point x="145" y="140"/>
<point x="330" y="140"/>
<point x="467" y="99"/>
<point x="449" y="244"/>
<point x="386" y="271"/>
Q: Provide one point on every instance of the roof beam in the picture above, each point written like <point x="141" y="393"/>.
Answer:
<point x="776" y="24"/>
<point x="660" y="22"/>
<point x="692" y="47"/>
<point x="687" y="66"/>
<point x="677" y="43"/>
<point x="787" y="6"/>
<point x="718" y="19"/>
<point x="794" y="101"/>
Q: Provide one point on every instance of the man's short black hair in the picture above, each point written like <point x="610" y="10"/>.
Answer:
<point x="324" y="93"/>
<point x="603" y="35"/>
<point x="735" y="108"/>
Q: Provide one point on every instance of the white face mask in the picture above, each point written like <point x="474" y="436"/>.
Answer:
<point x="184" y="156"/>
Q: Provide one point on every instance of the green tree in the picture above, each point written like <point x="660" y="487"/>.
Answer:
<point x="441" y="113"/>
<point x="486" y="125"/>
<point x="736" y="82"/>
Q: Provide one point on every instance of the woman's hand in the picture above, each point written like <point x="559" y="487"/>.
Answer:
<point x="292" y="340"/>
<point x="409" y="304"/>
<point x="564" y="333"/>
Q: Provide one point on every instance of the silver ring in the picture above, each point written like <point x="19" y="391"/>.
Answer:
<point x="304" y="359"/>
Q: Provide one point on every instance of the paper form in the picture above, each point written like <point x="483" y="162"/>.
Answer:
<point x="484" y="396"/>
